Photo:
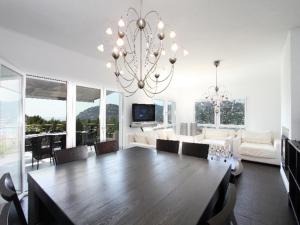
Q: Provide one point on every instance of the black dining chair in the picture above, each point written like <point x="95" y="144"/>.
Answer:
<point x="106" y="147"/>
<point x="8" y="193"/>
<point x="195" y="149"/>
<point x="57" y="142"/>
<point x="4" y="214"/>
<point x="167" y="145"/>
<point x="40" y="151"/>
<point x="70" y="154"/>
<point x="226" y="215"/>
<point x="91" y="138"/>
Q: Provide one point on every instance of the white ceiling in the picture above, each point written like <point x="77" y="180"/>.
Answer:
<point x="233" y="30"/>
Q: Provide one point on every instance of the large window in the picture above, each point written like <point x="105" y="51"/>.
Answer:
<point x="171" y="113"/>
<point x="87" y="115"/>
<point x="204" y="113"/>
<point x="113" y="116"/>
<point x="46" y="118"/>
<point x="159" y="111"/>
<point x="232" y="113"/>
<point x="45" y="106"/>
<point x="11" y="124"/>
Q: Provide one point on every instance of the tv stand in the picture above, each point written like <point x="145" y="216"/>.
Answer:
<point x="143" y="124"/>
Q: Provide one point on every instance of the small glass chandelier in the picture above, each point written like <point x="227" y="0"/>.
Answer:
<point x="138" y="49"/>
<point x="216" y="94"/>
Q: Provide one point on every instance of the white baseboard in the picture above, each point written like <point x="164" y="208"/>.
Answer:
<point x="284" y="178"/>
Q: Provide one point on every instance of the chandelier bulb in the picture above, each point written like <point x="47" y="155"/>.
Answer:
<point x="100" y="48"/>
<point x="121" y="23"/>
<point x="172" y="34"/>
<point x="109" y="31"/>
<point x="163" y="52"/>
<point x="120" y="42"/>
<point x="185" y="52"/>
<point x="160" y="25"/>
<point x="108" y="65"/>
<point x="174" y="47"/>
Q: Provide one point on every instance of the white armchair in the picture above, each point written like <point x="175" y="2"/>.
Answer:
<point x="259" y="147"/>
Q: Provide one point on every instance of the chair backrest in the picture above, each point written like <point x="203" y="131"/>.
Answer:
<point x="36" y="143"/>
<point x="106" y="147"/>
<point x="4" y="213"/>
<point x="70" y="154"/>
<point x="167" y="145"/>
<point x="8" y="192"/>
<point x="195" y="149"/>
<point x="225" y="215"/>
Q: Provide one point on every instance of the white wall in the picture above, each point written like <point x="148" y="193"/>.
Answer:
<point x="286" y="84"/>
<point x="258" y="82"/>
<point x="290" y="80"/>
<point x="41" y="58"/>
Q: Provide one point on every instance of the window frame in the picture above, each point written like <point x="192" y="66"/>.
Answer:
<point x="234" y="125"/>
<point x="217" y="121"/>
<point x="211" y="125"/>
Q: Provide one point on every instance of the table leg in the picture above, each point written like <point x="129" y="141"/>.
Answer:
<point x="33" y="205"/>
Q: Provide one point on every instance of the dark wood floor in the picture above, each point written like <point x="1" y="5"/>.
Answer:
<point x="261" y="197"/>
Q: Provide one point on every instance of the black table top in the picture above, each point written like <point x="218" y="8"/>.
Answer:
<point x="132" y="186"/>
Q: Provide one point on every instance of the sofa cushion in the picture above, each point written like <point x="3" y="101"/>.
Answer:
<point x="215" y="142"/>
<point x="171" y="135"/>
<point x="161" y="134"/>
<point x="257" y="137"/>
<point x="217" y="134"/>
<point x="258" y="150"/>
<point x="140" y="138"/>
<point x="151" y="137"/>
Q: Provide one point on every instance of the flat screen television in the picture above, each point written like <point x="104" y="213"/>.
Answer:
<point x="143" y="112"/>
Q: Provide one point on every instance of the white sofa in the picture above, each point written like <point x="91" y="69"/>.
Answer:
<point x="214" y="136"/>
<point x="247" y="145"/>
<point x="209" y="136"/>
<point x="259" y="147"/>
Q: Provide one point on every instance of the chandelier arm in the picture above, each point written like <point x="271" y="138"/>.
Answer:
<point x="129" y="68"/>
<point x="133" y="10"/>
<point x="130" y="32"/>
<point x="124" y="87"/>
<point x="158" y="92"/>
<point x="156" y="61"/>
<point x="148" y="47"/>
<point x="148" y="95"/>
<point x="129" y="95"/>
<point x="128" y="85"/>
<point x="151" y="13"/>
<point x="166" y="78"/>
<point x="148" y="84"/>
<point x="125" y="78"/>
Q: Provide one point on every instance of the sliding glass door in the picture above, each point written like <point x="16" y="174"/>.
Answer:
<point x="87" y="115"/>
<point x="114" y="116"/>
<point x="11" y="124"/>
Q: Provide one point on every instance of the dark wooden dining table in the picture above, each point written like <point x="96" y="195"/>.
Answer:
<point x="131" y="186"/>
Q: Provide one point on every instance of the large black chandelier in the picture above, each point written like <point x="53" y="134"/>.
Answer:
<point x="139" y="52"/>
<point x="216" y="94"/>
